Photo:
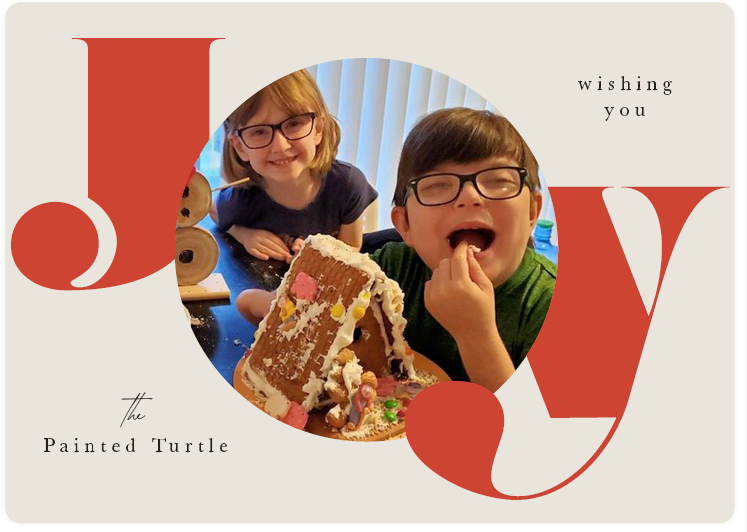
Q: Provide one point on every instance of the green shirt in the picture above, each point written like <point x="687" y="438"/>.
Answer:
<point x="521" y="304"/>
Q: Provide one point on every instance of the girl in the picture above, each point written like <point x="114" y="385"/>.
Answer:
<point x="284" y="140"/>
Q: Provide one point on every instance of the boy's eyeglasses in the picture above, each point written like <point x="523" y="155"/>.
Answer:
<point x="500" y="183"/>
<point x="293" y="128"/>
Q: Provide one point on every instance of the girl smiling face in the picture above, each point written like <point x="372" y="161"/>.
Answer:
<point x="282" y="161"/>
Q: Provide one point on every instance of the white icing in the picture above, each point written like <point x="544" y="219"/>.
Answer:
<point x="336" y="412"/>
<point x="345" y="333"/>
<point x="303" y="360"/>
<point x="331" y="384"/>
<point x="277" y="406"/>
<point x="379" y="318"/>
<point x="259" y="382"/>
<point x="312" y="388"/>
<point x="329" y="246"/>
<point x="351" y="376"/>
<point x="309" y="316"/>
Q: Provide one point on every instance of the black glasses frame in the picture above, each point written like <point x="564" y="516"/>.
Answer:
<point x="276" y="127"/>
<point x="412" y="184"/>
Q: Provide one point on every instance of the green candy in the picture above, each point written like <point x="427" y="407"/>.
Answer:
<point x="390" y="416"/>
<point x="391" y="403"/>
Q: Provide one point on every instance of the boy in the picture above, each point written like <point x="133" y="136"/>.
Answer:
<point x="466" y="202"/>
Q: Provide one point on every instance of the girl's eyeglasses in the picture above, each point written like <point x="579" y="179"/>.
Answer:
<point x="293" y="128"/>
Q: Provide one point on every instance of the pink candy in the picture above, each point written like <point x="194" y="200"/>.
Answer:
<point x="386" y="386"/>
<point x="304" y="287"/>
<point x="296" y="416"/>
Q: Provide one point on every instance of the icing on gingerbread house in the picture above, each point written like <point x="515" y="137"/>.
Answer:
<point x="332" y="300"/>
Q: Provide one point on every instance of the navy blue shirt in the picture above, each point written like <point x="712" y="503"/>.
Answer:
<point x="343" y="196"/>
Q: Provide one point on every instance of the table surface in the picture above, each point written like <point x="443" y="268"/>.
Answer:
<point x="223" y="334"/>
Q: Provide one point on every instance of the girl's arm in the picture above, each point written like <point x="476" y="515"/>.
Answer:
<point x="352" y="234"/>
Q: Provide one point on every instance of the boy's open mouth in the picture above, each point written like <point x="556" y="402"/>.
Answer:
<point x="481" y="238"/>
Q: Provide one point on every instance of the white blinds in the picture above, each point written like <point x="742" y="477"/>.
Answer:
<point x="376" y="102"/>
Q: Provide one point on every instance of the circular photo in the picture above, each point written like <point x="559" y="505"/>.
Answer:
<point x="358" y="231"/>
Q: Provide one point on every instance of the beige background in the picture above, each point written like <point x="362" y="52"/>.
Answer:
<point x="72" y="356"/>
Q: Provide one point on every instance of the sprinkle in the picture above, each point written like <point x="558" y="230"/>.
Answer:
<point x="337" y="311"/>
<point x="288" y="310"/>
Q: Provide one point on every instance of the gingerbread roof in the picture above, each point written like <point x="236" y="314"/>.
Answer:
<point x="331" y="298"/>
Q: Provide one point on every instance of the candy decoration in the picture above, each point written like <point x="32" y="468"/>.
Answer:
<point x="365" y="296"/>
<point x="386" y="386"/>
<point x="358" y="313"/>
<point x="338" y="311"/>
<point x="277" y="406"/>
<point x="406" y="402"/>
<point x="390" y="403"/>
<point x="413" y="388"/>
<point x="296" y="416"/>
<point x="390" y="416"/>
<point x="304" y="286"/>
<point x="288" y="310"/>
<point x="401" y="414"/>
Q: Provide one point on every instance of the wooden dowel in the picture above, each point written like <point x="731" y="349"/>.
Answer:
<point x="229" y="185"/>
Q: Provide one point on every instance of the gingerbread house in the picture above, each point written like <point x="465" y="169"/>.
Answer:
<point x="333" y="300"/>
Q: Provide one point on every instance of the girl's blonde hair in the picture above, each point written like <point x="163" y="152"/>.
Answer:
<point x="296" y="93"/>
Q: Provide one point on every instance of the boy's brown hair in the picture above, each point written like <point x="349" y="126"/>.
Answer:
<point x="296" y="93"/>
<point x="460" y="135"/>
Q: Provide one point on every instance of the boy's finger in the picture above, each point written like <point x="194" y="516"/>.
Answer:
<point x="476" y="272"/>
<point x="459" y="267"/>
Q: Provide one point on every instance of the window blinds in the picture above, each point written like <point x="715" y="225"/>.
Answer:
<point x="376" y="102"/>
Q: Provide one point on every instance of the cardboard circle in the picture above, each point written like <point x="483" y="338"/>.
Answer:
<point x="317" y="425"/>
<point x="196" y="255"/>
<point x="196" y="200"/>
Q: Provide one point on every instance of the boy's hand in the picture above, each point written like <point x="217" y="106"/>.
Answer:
<point x="260" y="243"/>
<point x="461" y="297"/>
